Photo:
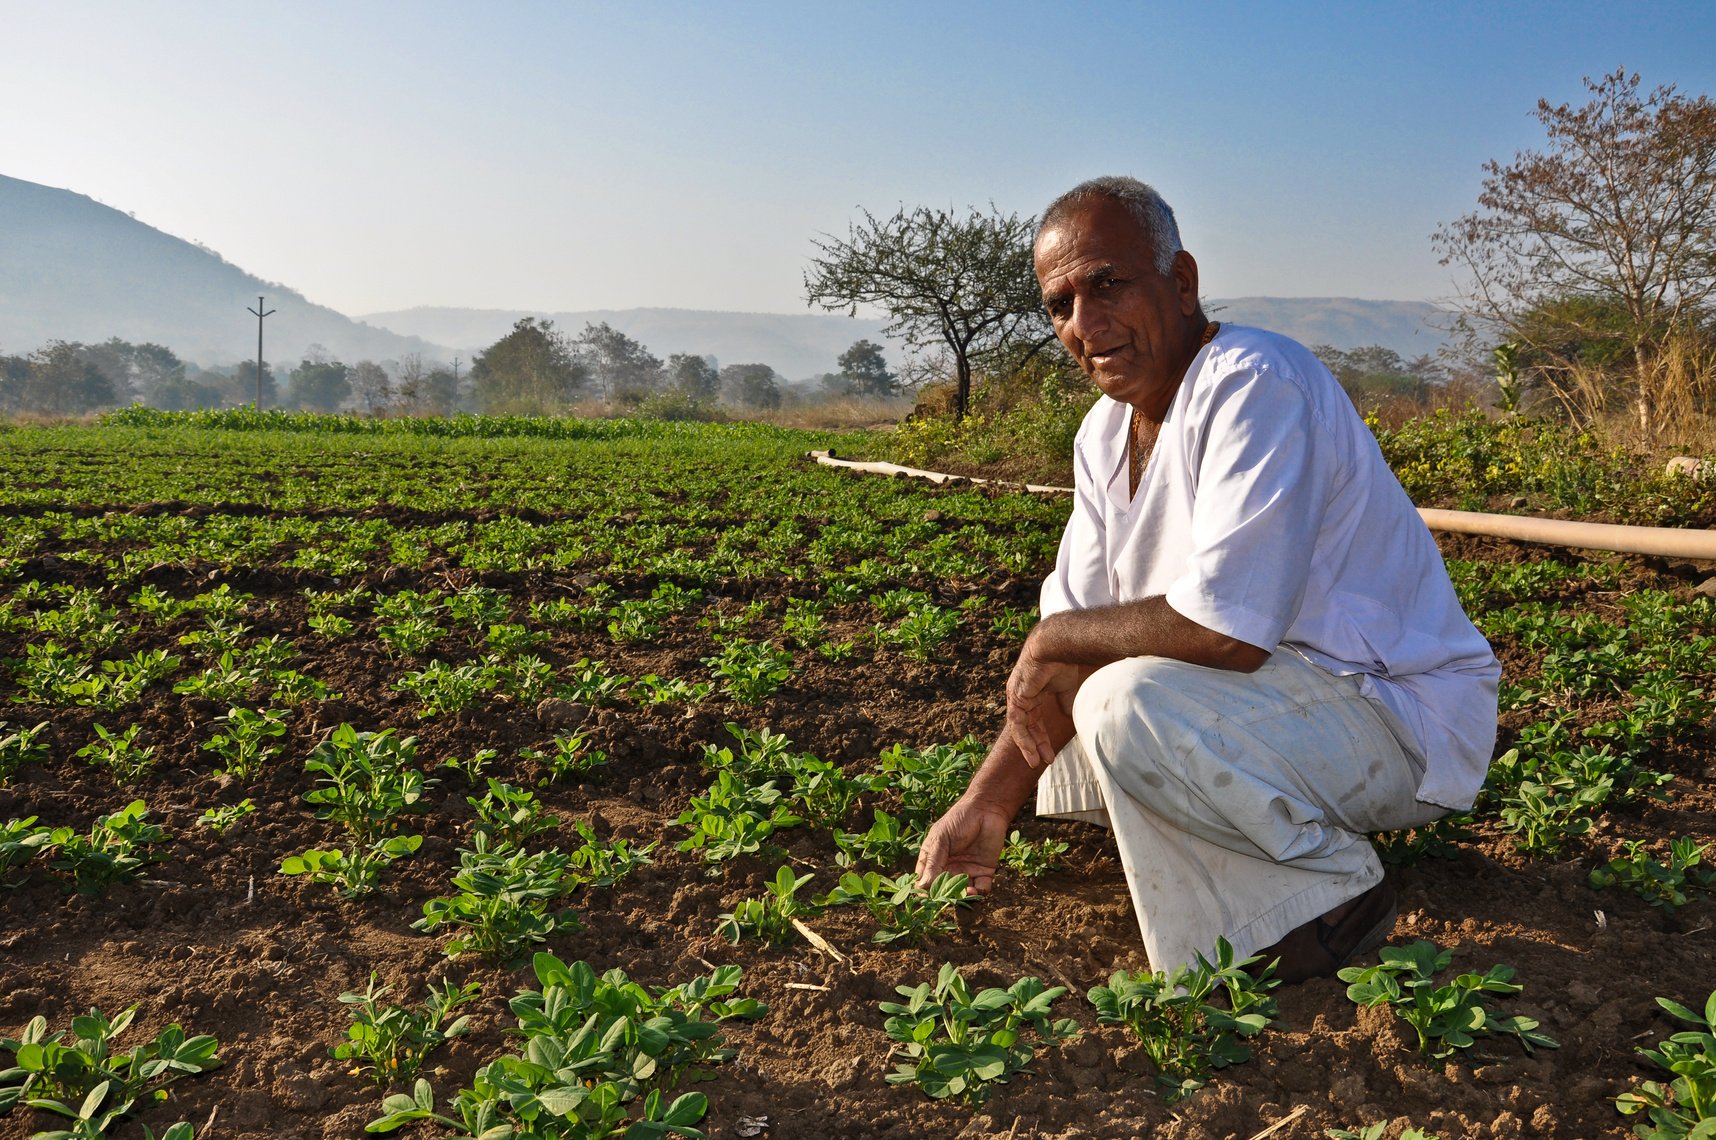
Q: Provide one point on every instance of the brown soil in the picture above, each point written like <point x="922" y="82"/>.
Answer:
<point x="216" y="940"/>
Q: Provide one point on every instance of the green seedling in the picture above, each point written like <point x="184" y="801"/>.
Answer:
<point x="20" y="746"/>
<point x="557" y="613"/>
<point x="501" y="908"/>
<point x="441" y="688"/>
<point x="952" y="1043"/>
<point x="478" y="607"/>
<point x="228" y="680"/>
<point x="1542" y="817"/>
<point x="1176" y="1018"/>
<point x="160" y="606"/>
<point x="86" y="1079"/>
<point x="126" y="678"/>
<point x="593" y="1046"/>
<point x="652" y="690"/>
<point x="920" y="633"/>
<point x="1686" y="1106"/>
<point x="825" y="792"/>
<point x="567" y="756"/>
<point x="750" y="671"/>
<point x="356" y="874"/>
<point x="1013" y="624"/>
<point x="408" y="636"/>
<point x="898" y="602"/>
<point x="1438" y="840"/>
<point x="803" y="623"/>
<point x="903" y="910"/>
<point x="366" y="780"/>
<point x="294" y="688"/>
<point x="526" y="678"/>
<point x="1666" y="885"/>
<point x="509" y="639"/>
<point x="1376" y="1131"/>
<point x="221" y="602"/>
<point x="507" y="816"/>
<point x="219" y="635"/>
<point x="597" y="864"/>
<point x="218" y="819"/>
<point x="761" y="755"/>
<point x="1449" y="1018"/>
<point x="332" y="627"/>
<point x="734" y="818"/>
<point x="472" y="769"/>
<point x="588" y="682"/>
<point x="1032" y="860"/>
<point x="115" y="850"/>
<point x="120" y="754"/>
<point x="392" y="1041"/>
<point x="242" y="740"/>
<point x="886" y="844"/>
<point x="837" y="650"/>
<point x="20" y="840"/>
<point x="928" y="780"/>
<point x="769" y="916"/>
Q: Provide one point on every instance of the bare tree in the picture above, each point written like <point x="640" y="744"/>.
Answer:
<point x="410" y="388"/>
<point x="963" y="283"/>
<point x="1596" y="257"/>
<point x="371" y="386"/>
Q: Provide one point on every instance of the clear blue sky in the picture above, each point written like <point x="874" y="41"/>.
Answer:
<point x="614" y="155"/>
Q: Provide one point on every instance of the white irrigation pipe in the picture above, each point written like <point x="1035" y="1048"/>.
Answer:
<point x="1668" y="542"/>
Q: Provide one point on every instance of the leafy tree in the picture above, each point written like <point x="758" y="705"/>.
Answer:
<point x="180" y="393"/>
<point x="624" y="370"/>
<point x="14" y="375"/>
<point x="1607" y="235"/>
<point x="134" y="370"/>
<point x="319" y="387"/>
<point x="59" y="379"/>
<point x="864" y="373"/>
<point x="1373" y="371"/>
<point x="693" y="376"/>
<point x="530" y="371"/>
<point x="963" y="283"/>
<point x="440" y="393"/>
<point x="751" y="386"/>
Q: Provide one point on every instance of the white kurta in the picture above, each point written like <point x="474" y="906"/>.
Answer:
<point x="1267" y="513"/>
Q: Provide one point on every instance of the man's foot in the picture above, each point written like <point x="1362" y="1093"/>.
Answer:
<point x="1323" y="945"/>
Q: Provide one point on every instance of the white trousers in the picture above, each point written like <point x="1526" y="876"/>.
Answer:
<point x="1239" y="801"/>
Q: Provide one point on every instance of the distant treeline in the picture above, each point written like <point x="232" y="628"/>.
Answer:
<point x="533" y="370"/>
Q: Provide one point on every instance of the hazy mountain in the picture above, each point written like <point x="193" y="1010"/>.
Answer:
<point x="73" y="269"/>
<point x="797" y="345"/>
<point x="1411" y="328"/>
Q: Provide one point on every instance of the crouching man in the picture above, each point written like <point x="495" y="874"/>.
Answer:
<point x="1250" y="654"/>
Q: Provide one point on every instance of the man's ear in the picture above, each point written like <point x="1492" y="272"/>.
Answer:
<point x="1185" y="271"/>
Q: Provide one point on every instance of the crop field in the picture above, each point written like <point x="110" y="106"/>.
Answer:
<point x="560" y="779"/>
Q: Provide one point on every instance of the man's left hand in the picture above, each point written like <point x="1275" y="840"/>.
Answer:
<point x="1040" y="696"/>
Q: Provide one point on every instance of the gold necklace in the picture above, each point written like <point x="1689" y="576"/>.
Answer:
<point x="1142" y="432"/>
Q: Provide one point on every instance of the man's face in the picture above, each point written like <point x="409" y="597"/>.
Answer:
<point x="1130" y="328"/>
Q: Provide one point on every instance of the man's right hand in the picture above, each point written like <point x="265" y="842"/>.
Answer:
<point x="966" y="841"/>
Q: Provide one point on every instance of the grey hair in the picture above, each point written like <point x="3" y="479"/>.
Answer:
<point x="1141" y="201"/>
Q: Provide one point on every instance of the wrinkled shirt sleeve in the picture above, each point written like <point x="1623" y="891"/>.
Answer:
<point x="1263" y="473"/>
<point x="1081" y="576"/>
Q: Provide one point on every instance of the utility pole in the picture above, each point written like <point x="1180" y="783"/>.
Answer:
<point x="259" y="315"/>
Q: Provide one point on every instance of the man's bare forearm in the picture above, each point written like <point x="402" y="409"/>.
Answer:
<point x="1149" y="627"/>
<point x="1005" y="779"/>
